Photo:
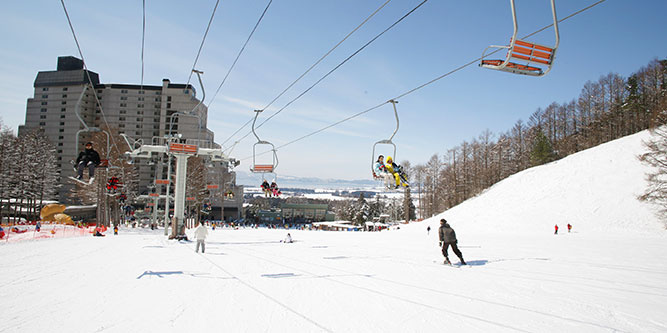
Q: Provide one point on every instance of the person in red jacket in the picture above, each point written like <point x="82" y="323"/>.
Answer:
<point x="569" y="227"/>
<point x="556" y="227"/>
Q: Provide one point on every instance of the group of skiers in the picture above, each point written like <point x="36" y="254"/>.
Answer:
<point x="270" y="190"/>
<point x="392" y="173"/>
<point x="569" y="228"/>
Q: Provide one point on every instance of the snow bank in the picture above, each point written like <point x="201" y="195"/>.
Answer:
<point x="594" y="190"/>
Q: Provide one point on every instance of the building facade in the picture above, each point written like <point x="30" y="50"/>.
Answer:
<point x="141" y="112"/>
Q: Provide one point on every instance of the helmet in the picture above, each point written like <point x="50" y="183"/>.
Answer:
<point x="389" y="158"/>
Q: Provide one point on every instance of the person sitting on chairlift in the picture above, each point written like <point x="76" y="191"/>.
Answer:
<point x="397" y="171"/>
<point x="89" y="158"/>
<point x="380" y="171"/>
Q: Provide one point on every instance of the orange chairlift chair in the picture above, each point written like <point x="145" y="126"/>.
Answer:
<point x="538" y="58"/>
<point x="264" y="167"/>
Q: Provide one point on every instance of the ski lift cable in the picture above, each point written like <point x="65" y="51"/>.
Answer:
<point x="85" y="67"/>
<point x="418" y="87"/>
<point x="337" y="67"/>
<point x="239" y="54"/>
<point x="143" y="38"/>
<point x="202" y="41"/>
<point x="310" y="68"/>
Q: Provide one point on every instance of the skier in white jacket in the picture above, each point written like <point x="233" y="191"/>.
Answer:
<point x="200" y="234"/>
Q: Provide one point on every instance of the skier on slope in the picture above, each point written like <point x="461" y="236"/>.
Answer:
<point x="569" y="227"/>
<point x="556" y="229"/>
<point x="89" y="158"/>
<point x="200" y="234"/>
<point x="447" y="238"/>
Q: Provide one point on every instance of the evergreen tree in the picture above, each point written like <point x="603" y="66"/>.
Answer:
<point x="362" y="210"/>
<point x="543" y="151"/>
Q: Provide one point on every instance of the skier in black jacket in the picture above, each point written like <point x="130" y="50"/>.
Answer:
<point x="88" y="158"/>
<point x="447" y="238"/>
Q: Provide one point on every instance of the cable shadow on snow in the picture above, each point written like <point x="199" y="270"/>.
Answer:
<point x="245" y="243"/>
<point x="163" y="274"/>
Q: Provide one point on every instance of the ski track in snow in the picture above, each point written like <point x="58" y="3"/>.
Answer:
<point x="607" y="275"/>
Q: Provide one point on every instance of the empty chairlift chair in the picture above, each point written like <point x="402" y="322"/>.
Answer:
<point x="538" y="58"/>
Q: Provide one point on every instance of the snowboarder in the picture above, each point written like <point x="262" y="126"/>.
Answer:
<point x="396" y="170"/>
<point x="38" y="226"/>
<point x="569" y="227"/>
<point x="288" y="239"/>
<point x="89" y="158"/>
<point x="428" y="230"/>
<point x="115" y="230"/>
<point x="447" y="238"/>
<point x="200" y="235"/>
<point x="556" y="228"/>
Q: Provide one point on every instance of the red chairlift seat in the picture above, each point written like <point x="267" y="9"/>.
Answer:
<point x="539" y="58"/>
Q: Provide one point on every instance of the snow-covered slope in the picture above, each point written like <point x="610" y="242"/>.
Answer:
<point x="594" y="190"/>
<point x="520" y="277"/>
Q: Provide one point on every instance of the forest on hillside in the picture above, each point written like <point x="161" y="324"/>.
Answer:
<point x="609" y="108"/>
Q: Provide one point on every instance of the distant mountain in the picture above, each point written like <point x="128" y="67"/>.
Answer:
<point x="284" y="181"/>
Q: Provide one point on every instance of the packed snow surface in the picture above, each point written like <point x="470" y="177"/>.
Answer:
<point x="608" y="274"/>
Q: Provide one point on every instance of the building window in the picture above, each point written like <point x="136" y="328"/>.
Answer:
<point x="64" y="96"/>
<point x="62" y="123"/>
<point x="61" y="137"/>
<point x="45" y="89"/>
<point x="61" y="130"/>
<point x="140" y="105"/>
<point x="123" y="111"/>
<point x="42" y="124"/>
<point x="42" y="116"/>
<point x="139" y="119"/>
<point x="124" y="91"/>
<point x="45" y="96"/>
<point x="60" y="151"/>
<point x="168" y="98"/>
<point x="123" y="104"/>
<point x="156" y="126"/>
<point x="138" y="126"/>
<point x="140" y="112"/>
<point x="141" y="92"/>
<point x="63" y="102"/>
<point x="63" y="109"/>
<point x="140" y="98"/>
<point x="121" y="125"/>
<point x="45" y="103"/>
<point x="43" y="110"/>
<point x="65" y="89"/>
<point x="168" y="105"/>
<point x="60" y="144"/>
<point x="123" y="98"/>
<point x="158" y="93"/>
<point x="158" y="99"/>
<point x="137" y="133"/>
<point x="62" y="116"/>
<point x="121" y="118"/>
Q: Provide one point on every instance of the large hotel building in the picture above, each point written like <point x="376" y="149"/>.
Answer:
<point x="140" y="112"/>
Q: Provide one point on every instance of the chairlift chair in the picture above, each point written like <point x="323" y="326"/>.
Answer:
<point x="385" y="142"/>
<point x="538" y="58"/>
<point x="262" y="168"/>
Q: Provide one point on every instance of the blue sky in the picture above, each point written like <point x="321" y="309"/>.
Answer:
<point x="615" y="36"/>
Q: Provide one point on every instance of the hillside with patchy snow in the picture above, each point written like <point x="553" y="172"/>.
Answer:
<point x="594" y="190"/>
